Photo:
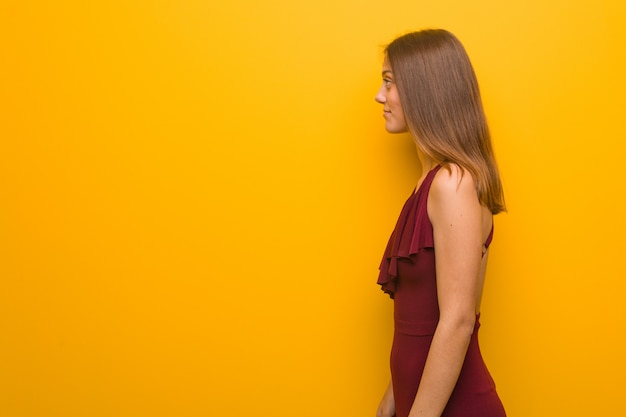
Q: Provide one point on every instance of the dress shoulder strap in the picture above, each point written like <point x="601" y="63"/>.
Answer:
<point x="488" y="241"/>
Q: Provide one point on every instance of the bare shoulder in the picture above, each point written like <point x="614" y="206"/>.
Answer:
<point x="453" y="205"/>
<point x="452" y="197"/>
<point x="452" y="182"/>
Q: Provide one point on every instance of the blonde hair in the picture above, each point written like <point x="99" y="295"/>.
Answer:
<point x="442" y="106"/>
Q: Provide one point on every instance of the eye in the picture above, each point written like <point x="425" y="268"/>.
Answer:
<point x="387" y="82"/>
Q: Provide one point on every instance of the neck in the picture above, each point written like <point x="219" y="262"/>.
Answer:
<point x="426" y="161"/>
<point x="427" y="165"/>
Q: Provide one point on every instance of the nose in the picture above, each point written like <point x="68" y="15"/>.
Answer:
<point x="380" y="97"/>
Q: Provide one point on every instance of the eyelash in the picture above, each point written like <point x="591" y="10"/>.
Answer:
<point x="387" y="82"/>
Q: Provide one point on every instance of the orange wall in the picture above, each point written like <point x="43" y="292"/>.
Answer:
<point x="194" y="199"/>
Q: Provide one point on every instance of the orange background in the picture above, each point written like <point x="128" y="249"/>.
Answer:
<point x="195" y="196"/>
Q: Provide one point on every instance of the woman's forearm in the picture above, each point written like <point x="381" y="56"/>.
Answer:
<point x="387" y="406"/>
<point x="443" y="366"/>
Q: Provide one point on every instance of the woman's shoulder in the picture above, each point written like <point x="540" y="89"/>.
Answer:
<point x="452" y="179"/>
<point x="453" y="203"/>
<point x="452" y="192"/>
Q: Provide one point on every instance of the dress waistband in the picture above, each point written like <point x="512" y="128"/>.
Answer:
<point x="422" y="328"/>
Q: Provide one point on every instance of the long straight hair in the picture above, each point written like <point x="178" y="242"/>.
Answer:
<point x="442" y="106"/>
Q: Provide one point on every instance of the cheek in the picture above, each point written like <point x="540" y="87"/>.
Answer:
<point x="400" y="123"/>
<point x="396" y="102"/>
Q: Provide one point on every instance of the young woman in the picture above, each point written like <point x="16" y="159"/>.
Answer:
<point x="434" y="264"/>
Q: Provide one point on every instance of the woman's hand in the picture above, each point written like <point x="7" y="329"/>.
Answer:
<point x="387" y="406"/>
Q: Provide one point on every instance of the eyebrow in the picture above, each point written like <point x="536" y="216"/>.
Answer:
<point x="387" y="71"/>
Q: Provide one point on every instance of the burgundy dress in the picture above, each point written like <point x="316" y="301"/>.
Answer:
<point x="407" y="274"/>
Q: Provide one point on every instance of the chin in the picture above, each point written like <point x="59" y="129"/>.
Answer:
<point x="395" y="129"/>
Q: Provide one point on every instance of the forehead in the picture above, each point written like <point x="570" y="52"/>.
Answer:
<point x="386" y="66"/>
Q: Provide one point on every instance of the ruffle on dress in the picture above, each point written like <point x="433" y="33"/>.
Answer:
<point x="413" y="232"/>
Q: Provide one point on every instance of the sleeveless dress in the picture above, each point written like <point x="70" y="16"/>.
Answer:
<point x="407" y="274"/>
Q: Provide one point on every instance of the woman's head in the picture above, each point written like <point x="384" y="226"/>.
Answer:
<point x="439" y="96"/>
<point x="389" y="97"/>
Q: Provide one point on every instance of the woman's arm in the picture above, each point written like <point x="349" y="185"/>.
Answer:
<point x="387" y="406"/>
<point x="456" y="216"/>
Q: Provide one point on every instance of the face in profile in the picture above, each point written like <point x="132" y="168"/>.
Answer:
<point x="389" y="98"/>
